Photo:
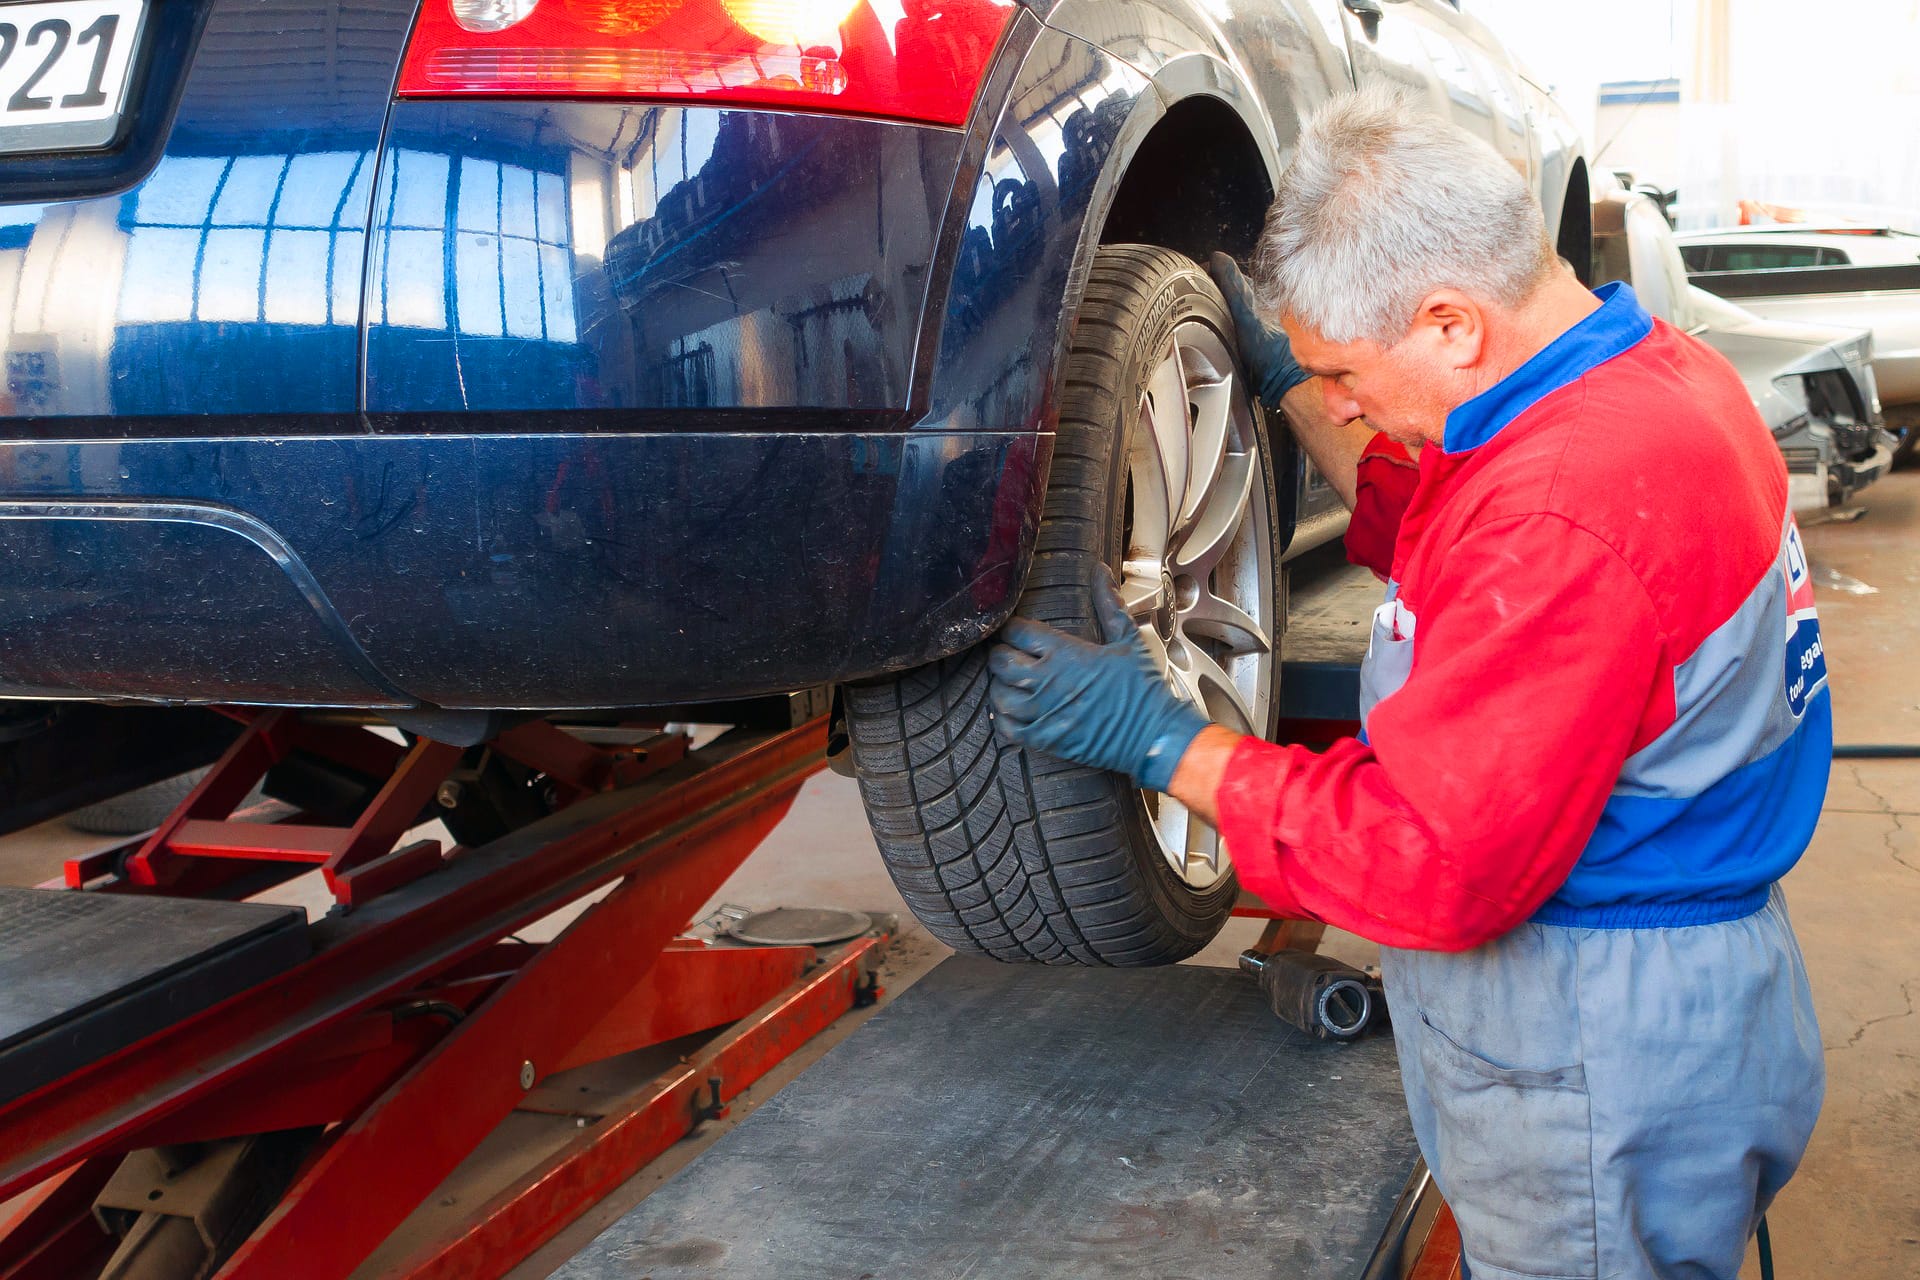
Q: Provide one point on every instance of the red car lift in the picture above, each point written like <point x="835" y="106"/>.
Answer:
<point x="341" y="1081"/>
<point x="416" y="1021"/>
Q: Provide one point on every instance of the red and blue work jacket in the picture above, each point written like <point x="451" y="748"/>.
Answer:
<point x="1596" y="695"/>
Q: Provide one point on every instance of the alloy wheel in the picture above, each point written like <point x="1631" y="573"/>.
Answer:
<point x="1198" y="575"/>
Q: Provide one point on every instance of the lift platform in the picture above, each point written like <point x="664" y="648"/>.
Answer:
<point x="1054" y="1124"/>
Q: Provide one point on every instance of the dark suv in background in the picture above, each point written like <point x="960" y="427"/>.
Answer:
<point x="472" y="357"/>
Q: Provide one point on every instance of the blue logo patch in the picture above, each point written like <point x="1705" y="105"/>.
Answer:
<point x="1806" y="663"/>
<point x="1796" y="560"/>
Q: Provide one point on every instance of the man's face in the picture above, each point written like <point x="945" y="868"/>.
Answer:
<point x="1403" y="391"/>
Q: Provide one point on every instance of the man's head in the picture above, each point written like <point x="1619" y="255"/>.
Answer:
<point x="1406" y="259"/>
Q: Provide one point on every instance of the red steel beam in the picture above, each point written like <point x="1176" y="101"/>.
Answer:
<point x="283" y="1095"/>
<point x="692" y="988"/>
<point x="524" y="1216"/>
<point x="357" y="885"/>
<point x="260" y="745"/>
<point x="203" y="826"/>
<point x="1440" y="1253"/>
<point x="388" y="947"/>
<point x="267" y="841"/>
<point x="52" y="1234"/>
<point x="396" y="807"/>
<point x="405" y="1144"/>
<point x="575" y="767"/>
<point x="689" y="990"/>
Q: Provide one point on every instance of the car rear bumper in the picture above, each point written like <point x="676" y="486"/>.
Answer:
<point x="503" y="571"/>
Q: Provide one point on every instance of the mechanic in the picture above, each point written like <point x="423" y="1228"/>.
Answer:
<point x="1581" y="771"/>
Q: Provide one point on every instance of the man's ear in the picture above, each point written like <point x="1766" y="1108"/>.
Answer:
<point x="1453" y="326"/>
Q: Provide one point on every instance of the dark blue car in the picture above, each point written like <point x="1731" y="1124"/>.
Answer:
<point x="438" y="359"/>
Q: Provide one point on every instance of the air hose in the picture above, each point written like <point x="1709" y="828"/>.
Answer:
<point x="1877" y="751"/>
<point x="1765" y="1243"/>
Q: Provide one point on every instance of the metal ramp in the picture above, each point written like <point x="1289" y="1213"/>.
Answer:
<point x="1021" y="1123"/>
<point x="82" y="976"/>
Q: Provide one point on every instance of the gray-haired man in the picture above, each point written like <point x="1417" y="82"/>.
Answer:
<point x="1597" y="729"/>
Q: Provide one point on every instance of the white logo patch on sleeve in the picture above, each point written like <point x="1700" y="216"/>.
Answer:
<point x="1806" y="670"/>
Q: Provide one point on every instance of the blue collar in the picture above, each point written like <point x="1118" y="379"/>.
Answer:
<point x="1618" y="324"/>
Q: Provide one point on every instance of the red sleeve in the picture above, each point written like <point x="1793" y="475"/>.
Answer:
<point x="1483" y="777"/>
<point x="1384" y="486"/>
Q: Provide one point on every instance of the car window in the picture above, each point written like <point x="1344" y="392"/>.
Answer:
<point x="1832" y="258"/>
<point x="1698" y="257"/>
<point x="1770" y="257"/>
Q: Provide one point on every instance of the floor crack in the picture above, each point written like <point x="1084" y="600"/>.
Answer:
<point x="1906" y="993"/>
<point x="1895" y="813"/>
<point x="1860" y="782"/>
<point x="1898" y="828"/>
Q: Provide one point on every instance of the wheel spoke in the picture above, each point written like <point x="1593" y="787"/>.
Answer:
<point x="1215" y="690"/>
<point x="1213" y="411"/>
<point x="1203" y="844"/>
<point x="1212" y="533"/>
<point x="1180" y="675"/>
<point x="1222" y="620"/>
<point x="1140" y="589"/>
<point x="1175" y="824"/>
<point x="1172" y="424"/>
<point x="1158" y="648"/>
<point x="1150" y="507"/>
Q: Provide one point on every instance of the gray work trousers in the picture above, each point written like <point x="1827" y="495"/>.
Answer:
<point x="1610" y="1102"/>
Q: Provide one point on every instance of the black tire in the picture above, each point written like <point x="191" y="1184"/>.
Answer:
<point x="143" y="808"/>
<point x="138" y="810"/>
<point x="1012" y="854"/>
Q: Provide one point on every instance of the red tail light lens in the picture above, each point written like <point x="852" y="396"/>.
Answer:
<point x="902" y="59"/>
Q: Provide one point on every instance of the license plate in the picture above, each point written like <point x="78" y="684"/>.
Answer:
<point x="64" y="70"/>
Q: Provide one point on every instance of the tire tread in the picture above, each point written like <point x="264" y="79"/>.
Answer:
<point x="1033" y="862"/>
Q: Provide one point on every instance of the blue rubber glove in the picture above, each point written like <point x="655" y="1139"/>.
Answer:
<point x="1263" y="346"/>
<point x="1105" y="705"/>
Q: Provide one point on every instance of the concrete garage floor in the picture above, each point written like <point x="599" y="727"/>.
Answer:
<point x="1852" y="1211"/>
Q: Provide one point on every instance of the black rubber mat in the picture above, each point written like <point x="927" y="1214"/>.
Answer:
<point x="1002" y="1122"/>
<point x="84" y="974"/>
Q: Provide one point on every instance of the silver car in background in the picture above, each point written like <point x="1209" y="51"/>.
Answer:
<point x="1813" y="384"/>
<point x="1851" y="276"/>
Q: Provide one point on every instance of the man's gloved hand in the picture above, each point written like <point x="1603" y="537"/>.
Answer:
<point x="1263" y="346"/>
<point x="1105" y="705"/>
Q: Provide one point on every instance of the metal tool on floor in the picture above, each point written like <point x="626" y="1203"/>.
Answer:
<point x="1317" y="994"/>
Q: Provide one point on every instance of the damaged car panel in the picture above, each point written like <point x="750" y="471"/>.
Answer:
<point x="1813" y="384"/>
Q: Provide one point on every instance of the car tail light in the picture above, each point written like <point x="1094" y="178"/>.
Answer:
<point x="902" y="59"/>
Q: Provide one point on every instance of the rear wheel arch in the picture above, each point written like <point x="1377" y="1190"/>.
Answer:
<point x="1574" y="240"/>
<point x="1202" y="148"/>
<point x="1184" y="136"/>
